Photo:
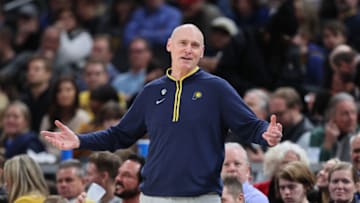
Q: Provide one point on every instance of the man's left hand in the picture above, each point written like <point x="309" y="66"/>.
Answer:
<point x="273" y="134"/>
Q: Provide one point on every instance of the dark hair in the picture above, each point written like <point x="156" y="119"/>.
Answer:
<point x="47" y="64"/>
<point x="55" y="109"/>
<point x="104" y="93"/>
<point x="139" y="159"/>
<point x="335" y="27"/>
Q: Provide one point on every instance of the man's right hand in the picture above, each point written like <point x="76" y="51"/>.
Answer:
<point x="64" y="139"/>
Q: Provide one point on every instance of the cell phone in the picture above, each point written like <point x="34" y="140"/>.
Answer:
<point x="95" y="192"/>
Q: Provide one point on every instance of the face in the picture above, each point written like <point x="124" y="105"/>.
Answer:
<point x="289" y="157"/>
<point x="291" y="191"/>
<point x="68" y="184"/>
<point x="355" y="153"/>
<point x="50" y="42"/>
<point x="331" y="40"/>
<point x="186" y="47"/>
<point x="346" y="116"/>
<point x="93" y="175"/>
<point x="253" y="101"/>
<point x="278" y="107"/>
<point x="342" y="187"/>
<point x="235" y="164"/>
<point x="66" y="94"/>
<point x="322" y="178"/>
<point x="226" y="197"/>
<point x="139" y="55"/>
<point x="95" y="75"/>
<point x="127" y="181"/>
<point x="101" y="50"/>
<point x="14" y="121"/>
<point x="68" y="20"/>
<point x="219" y="39"/>
<point x="37" y="73"/>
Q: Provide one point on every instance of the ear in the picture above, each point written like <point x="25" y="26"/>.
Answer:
<point x="240" y="198"/>
<point x="168" y="45"/>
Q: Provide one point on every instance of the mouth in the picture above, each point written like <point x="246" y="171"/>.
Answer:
<point x="186" y="58"/>
<point x="119" y="187"/>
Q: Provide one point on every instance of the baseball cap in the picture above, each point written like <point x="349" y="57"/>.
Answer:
<point x="225" y="24"/>
<point x="28" y="10"/>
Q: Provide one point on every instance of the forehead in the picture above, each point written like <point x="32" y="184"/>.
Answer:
<point x="188" y="33"/>
<point x="130" y="166"/>
<point x="66" y="172"/>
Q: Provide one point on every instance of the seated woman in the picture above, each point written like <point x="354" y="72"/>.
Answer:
<point x="24" y="180"/>
<point x="294" y="181"/>
<point x="16" y="137"/>
<point x="65" y="108"/>
<point x="343" y="180"/>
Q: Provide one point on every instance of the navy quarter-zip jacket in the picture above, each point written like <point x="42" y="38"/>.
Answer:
<point x="186" y="121"/>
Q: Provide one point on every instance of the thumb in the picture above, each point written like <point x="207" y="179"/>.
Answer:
<point x="273" y="120"/>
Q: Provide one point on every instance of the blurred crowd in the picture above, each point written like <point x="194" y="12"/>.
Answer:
<point x="84" y="61"/>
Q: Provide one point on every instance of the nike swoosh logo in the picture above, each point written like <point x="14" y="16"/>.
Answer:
<point x="159" y="101"/>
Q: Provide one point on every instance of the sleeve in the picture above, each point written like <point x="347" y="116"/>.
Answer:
<point x="130" y="128"/>
<point x="239" y="118"/>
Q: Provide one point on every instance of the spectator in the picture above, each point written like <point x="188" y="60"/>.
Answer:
<point x="222" y="31"/>
<point x="343" y="177"/>
<point x="287" y="104"/>
<point x="27" y="32"/>
<point x="333" y="138"/>
<point x="294" y="182"/>
<point x="129" y="178"/>
<point x="321" y="192"/>
<point x="132" y="81"/>
<point x="355" y="151"/>
<point x="24" y="180"/>
<point x="37" y="97"/>
<point x="236" y="164"/>
<point x="102" y="50"/>
<point x="70" y="182"/>
<point x="102" y="169"/>
<point x="75" y="42"/>
<point x="65" y="107"/>
<point x="276" y="158"/>
<point x="232" y="191"/>
<point x="151" y="22"/>
<point x="17" y="137"/>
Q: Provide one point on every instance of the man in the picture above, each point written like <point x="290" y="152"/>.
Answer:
<point x="174" y="111"/>
<point x="236" y="164"/>
<point x="286" y="103"/>
<point x="232" y="191"/>
<point x="37" y="97"/>
<point x="103" y="51"/>
<point x="355" y="151"/>
<point x="129" y="178"/>
<point x="333" y="138"/>
<point x="102" y="169"/>
<point x="70" y="181"/>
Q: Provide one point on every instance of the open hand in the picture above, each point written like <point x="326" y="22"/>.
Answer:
<point x="64" y="139"/>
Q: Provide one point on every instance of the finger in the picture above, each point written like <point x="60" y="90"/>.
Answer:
<point x="61" y="125"/>
<point x="273" y="120"/>
<point x="47" y="133"/>
<point x="279" y="126"/>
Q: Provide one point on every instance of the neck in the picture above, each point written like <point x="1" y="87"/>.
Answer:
<point x="36" y="90"/>
<point x="179" y="73"/>
<point x="7" y="55"/>
<point x="298" y="118"/>
<point x="109" y="195"/>
<point x="135" y="199"/>
<point x="305" y="201"/>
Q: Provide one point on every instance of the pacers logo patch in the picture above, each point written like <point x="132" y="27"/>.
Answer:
<point x="197" y="95"/>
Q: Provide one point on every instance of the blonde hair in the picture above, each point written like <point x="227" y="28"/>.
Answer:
<point x="274" y="156"/>
<point x="25" y="177"/>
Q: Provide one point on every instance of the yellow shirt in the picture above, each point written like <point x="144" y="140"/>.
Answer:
<point x="84" y="101"/>
<point x="30" y="199"/>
